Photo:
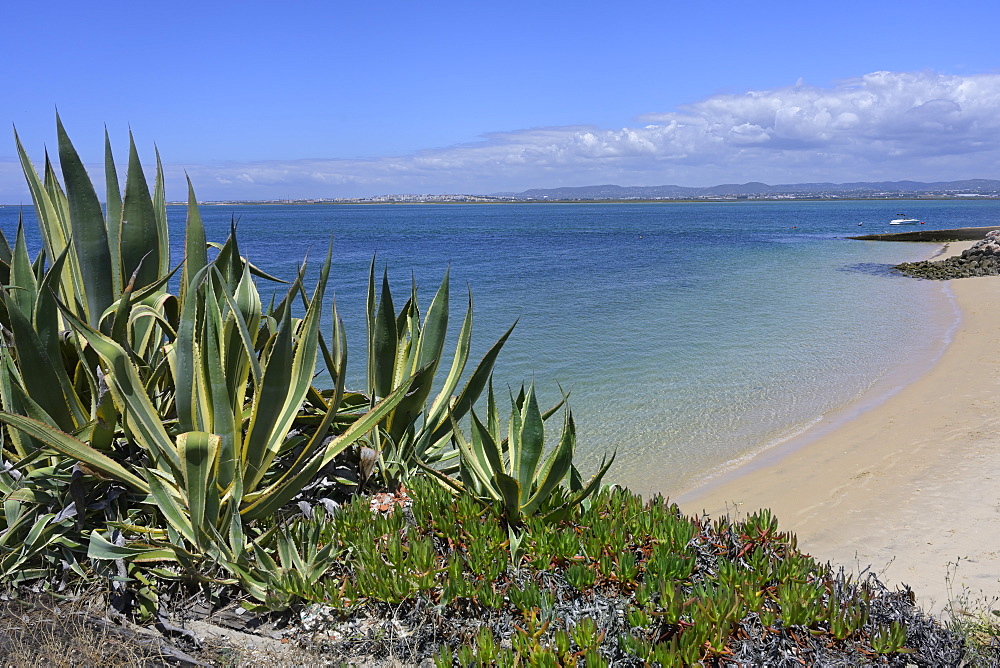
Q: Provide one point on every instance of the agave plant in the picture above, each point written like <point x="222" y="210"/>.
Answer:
<point x="200" y="405"/>
<point x="514" y="471"/>
<point x="403" y="350"/>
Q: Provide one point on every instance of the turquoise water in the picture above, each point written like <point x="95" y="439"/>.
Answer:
<point x="689" y="335"/>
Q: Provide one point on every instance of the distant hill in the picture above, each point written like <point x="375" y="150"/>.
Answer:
<point x="756" y="189"/>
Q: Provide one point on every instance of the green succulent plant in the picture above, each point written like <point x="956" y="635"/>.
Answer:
<point x="514" y="471"/>
<point x="201" y="405"/>
<point x="403" y="349"/>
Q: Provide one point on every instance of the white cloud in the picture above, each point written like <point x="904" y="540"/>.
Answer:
<point x="884" y="125"/>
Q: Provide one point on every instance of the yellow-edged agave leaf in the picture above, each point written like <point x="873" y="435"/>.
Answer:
<point x="78" y="450"/>
<point x="23" y="286"/>
<point x="511" y="493"/>
<point x="286" y="381"/>
<point x="531" y="441"/>
<point x="440" y="406"/>
<point x="53" y="223"/>
<point x="485" y="447"/>
<point x="435" y="327"/>
<point x="24" y="445"/>
<point x="240" y="330"/>
<point x="38" y="373"/>
<point x="168" y="502"/>
<point x="219" y="412"/>
<point x="160" y="211"/>
<point x="198" y="452"/>
<point x="254" y="269"/>
<point x="157" y="312"/>
<point x="269" y="500"/>
<point x="131" y="295"/>
<point x="90" y="238"/>
<point x="139" y="238"/>
<point x="48" y="327"/>
<point x="113" y="214"/>
<point x="476" y="464"/>
<point x="384" y="340"/>
<point x="556" y="467"/>
<point x="473" y="387"/>
<point x="130" y="396"/>
<point x="58" y="198"/>
<point x="195" y="248"/>
<point x="101" y="548"/>
<point x="184" y="357"/>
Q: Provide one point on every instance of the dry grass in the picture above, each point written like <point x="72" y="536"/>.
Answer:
<point x="42" y="631"/>
<point x="38" y="630"/>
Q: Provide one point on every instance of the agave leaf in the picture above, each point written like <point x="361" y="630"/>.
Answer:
<point x="218" y="407"/>
<point x="254" y="269"/>
<point x="168" y="503"/>
<point x="53" y="225"/>
<point x="184" y="358"/>
<point x="90" y="238"/>
<point x="119" y="323"/>
<point x="483" y="477"/>
<point x="198" y="452"/>
<point x="476" y="384"/>
<point x="195" y="249"/>
<point x="531" y="443"/>
<point x="370" y="325"/>
<point x="113" y="216"/>
<point x="74" y="448"/>
<point x="556" y="467"/>
<point x="286" y="381"/>
<point x="101" y="548"/>
<point x="6" y="256"/>
<point x="138" y="295"/>
<point x="514" y="436"/>
<point x="402" y="419"/>
<point x="140" y="311"/>
<point x="268" y="501"/>
<point x="127" y="389"/>
<point x="595" y="482"/>
<point x="38" y="371"/>
<point x="140" y="250"/>
<point x="485" y="444"/>
<point x="511" y="492"/>
<point x="25" y="447"/>
<point x="435" y="327"/>
<point x="160" y="211"/>
<point x="384" y="341"/>
<point x="244" y="316"/>
<point x="24" y="286"/>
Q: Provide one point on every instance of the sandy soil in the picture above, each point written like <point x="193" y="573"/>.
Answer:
<point x="910" y="487"/>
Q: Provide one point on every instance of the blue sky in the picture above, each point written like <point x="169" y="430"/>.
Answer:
<point x="260" y="100"/>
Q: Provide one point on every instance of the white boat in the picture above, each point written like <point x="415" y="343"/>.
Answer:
<point x="903" y="220"/>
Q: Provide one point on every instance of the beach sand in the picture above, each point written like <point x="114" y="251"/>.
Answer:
<point x="909" y="487"/>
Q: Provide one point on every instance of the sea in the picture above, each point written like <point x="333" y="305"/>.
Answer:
<point x="690" y="337"/>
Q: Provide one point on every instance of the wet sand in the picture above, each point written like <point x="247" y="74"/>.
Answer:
<point x="909" y="487"/>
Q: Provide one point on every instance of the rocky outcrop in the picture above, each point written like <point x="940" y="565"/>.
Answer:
<point x="983" y="259"/>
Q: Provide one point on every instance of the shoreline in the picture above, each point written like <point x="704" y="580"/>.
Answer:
<point x="905" y="482"/>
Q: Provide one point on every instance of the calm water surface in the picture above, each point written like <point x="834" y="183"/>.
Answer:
<point x="689" y="335"/>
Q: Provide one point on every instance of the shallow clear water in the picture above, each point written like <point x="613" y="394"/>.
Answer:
<point x="690" y="335"/>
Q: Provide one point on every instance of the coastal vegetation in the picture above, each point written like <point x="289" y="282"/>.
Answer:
<point x="179" y="442"/>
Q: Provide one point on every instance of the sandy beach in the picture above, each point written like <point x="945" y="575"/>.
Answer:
<point x="909" y="487"/>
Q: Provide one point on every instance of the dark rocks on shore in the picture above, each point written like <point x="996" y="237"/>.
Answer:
<point x="983" y="259"/>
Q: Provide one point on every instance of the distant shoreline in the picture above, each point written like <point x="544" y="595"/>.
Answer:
<point x="755" y="200"/>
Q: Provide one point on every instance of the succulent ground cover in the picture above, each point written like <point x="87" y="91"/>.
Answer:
<point x="181" y="444"/>
<point x="618" y="582"/>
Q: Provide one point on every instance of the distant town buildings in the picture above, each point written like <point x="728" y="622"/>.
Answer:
<point x="983" y="189"/>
